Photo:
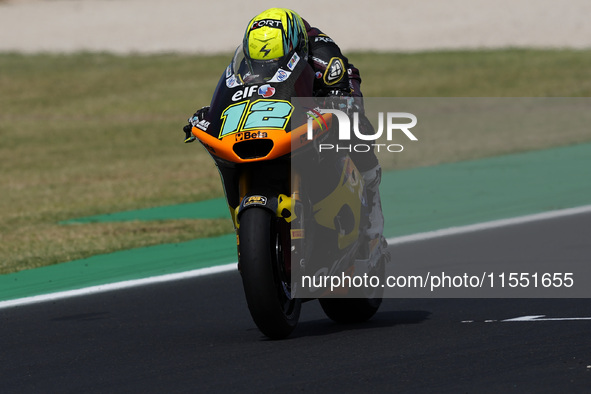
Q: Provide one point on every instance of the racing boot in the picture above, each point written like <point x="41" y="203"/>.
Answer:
<point x="377" y="245"/>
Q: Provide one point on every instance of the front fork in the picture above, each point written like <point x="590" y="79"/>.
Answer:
<point x="288" y="209"/>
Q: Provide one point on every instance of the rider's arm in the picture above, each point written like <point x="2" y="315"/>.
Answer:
<point x="330" y="66"/>
<point x="322" y="50"/>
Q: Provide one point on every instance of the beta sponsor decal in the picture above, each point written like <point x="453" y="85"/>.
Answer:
<point x="335" y="71"/>
<point x="247" y="135"/>
<point x="255" y="200"/>
<point x="318" y="75"/>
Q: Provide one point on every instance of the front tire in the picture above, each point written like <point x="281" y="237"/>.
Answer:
<point x="265" y="275"/>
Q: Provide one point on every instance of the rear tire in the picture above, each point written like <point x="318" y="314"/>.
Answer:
<point x="350" y="310"/>
<point x="356" y="310"/>
<point x="265" y="275"/>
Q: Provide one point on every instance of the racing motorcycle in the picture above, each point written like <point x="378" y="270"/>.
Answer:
<point x="298" y="213"/>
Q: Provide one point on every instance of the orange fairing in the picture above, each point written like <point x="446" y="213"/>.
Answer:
<point x="279" y="141"/>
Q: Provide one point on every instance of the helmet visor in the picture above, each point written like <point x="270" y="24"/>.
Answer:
<point x="251" y="71"/>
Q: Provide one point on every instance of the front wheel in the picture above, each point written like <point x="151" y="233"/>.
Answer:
<point x="265" y="273"/>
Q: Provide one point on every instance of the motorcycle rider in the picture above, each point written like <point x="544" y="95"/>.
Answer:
<point x="278" y="33"/>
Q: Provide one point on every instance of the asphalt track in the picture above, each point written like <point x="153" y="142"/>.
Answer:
<point x="196" y="335"/>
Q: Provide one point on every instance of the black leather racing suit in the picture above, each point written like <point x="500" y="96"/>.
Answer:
<point x="335" y="76"/>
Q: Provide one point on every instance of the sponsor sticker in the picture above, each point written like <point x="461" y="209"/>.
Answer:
<point x="319" y="61"/>
<point x="323" y="39"/>
<point x="297" y="233"/>
<point x="203" y="125"/>
<point x="266" y="23"/>
<point x="246" y="92"/>
<point x="280" y="76"/>
<point x="293" y="61"/>
<point x="247" y="135"/>
<point x="255" y="200"/>
<point x="232" y="82"/>
<point x="266" y="91"/>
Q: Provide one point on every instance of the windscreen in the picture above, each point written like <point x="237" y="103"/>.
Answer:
<point x="252" y="71"/>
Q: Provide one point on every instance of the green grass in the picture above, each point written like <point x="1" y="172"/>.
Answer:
<point x="495" y="73"/>
<point x="88" y="134"/>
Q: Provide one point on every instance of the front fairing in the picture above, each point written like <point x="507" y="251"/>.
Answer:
<point x="246" y="108"/>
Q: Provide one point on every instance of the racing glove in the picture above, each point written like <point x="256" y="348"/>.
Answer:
<point x="192" y="122"/>
<point x="339" y="99"/>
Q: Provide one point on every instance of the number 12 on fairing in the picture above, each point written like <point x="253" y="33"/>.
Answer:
<point x="260" y="114"/>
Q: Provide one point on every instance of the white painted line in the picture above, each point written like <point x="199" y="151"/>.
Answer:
<point x="229" y="267"/>
<point x="118" y="286"/>
<point x="543" y="318"/>
<point x="489" y="225"/>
